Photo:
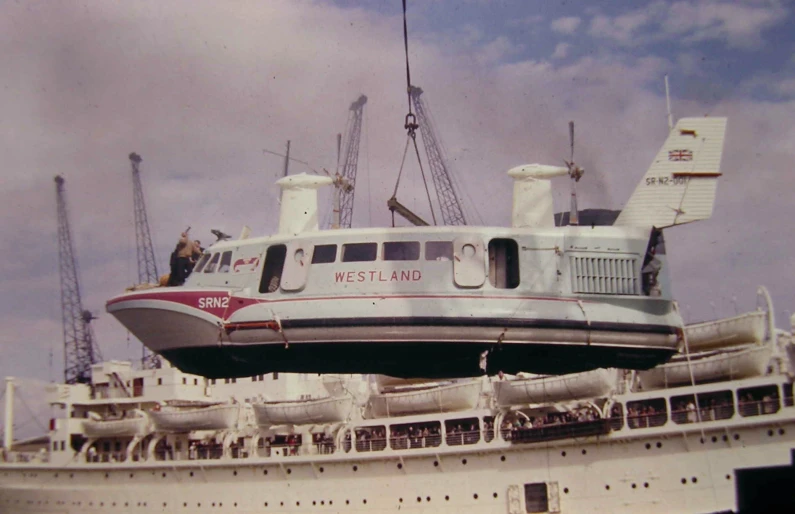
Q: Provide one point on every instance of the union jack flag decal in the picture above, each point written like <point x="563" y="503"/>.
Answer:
<point x="680" y="155"/>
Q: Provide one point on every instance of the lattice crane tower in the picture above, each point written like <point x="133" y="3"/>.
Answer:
<point x="80" y="345"/>
<point x="147" y="266"/>
<point x="452" y="213"/>
<point x="350" y="162"/>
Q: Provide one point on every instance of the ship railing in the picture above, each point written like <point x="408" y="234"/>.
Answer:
<point x="26" y="457"/>
<point x="463" y="437"/>
<point x="405" y="442"/>
<point x="563" y="431"/>
<point x="326" y="447"/>
<point x="656" y="419"/>
<point x="288" y="449"/>
<point x="106" y="457"/>
<point x="683" y="416"/>
<point x="750" y="408"/>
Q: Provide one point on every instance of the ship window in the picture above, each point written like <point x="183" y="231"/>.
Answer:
<point x="536" y="497"/>
<point x="202" y="262"/>
<point x="359" y="252"/>
<point x="370" y="439"/>
<point x="415" y="435"/>
<point x="787" y="395"/>
<point x="184" y="380"/>
<point x="324" y="254"/>
<point x="63" y="446"/>
<point x="159" y="381"/>
<point x="462" y="431"/>
<point x="272" y="271"/>
<point x="504" y="263"/>
<point x="213" y="263"/>
<point x="226" y="262"/>
<point x="755" y="401"/>
<point x="617" y="416"/>
<point x="439" y="251"/>
<point x="55" y="446"/>
<point x="647" y="413"/>
<point x="401" y="251"/>
<point x="488" y="428"/>
<point x="276" y="375"/>
<point x="709" y="407"/>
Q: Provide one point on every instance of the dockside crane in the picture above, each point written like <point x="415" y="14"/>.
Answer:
<point x="449" y="205"/>
<point x="147" y="265"/>
<point x="345" y="178"/>
<point x="80" y="345"/>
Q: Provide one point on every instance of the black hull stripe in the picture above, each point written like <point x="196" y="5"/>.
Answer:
<point x="605" y="326"/>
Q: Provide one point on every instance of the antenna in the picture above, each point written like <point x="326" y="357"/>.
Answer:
<point x="668" y="105"/>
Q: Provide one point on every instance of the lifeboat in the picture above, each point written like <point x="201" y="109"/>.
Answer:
<point x="738" y="330"/>
<point x="303" y="412"/>
<point x="437" y="302"/>
<point x="427" y="398"/>
<point x="187" y="417"/>
<point x="728" y="364"/>
<point x="555" y="388"/>
<point x="134" y="423"/>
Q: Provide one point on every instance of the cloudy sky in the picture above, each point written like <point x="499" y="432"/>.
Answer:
<point x="199" y="89"/>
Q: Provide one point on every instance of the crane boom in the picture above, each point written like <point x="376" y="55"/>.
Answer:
<point x="350" y="162"/>
<point x="452" y="213"/>
<point x="80" y="346"/>
<point x="147" y="266"/>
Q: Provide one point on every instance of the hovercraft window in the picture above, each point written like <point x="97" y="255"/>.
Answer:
<point x="401" y="251"/>
<point x="324" y="254"/>
<point x="226" y="262"/>
<point x="359" y="252"/>
<point x="439" y="251"/>
<point x="272" y="271"/>
<point x="213" y="263"/>
<point x="504" y="263"/>
<point x="202" y="262"/>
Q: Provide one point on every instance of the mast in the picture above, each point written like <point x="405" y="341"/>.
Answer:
<point x="80" y="346"/>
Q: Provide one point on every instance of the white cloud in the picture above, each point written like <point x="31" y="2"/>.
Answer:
<point x="737" y="24"/>
<point x="561" y="51"/>
<point x="566" y="25"/>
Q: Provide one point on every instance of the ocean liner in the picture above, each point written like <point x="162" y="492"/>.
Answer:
<point x="681" y="437"/>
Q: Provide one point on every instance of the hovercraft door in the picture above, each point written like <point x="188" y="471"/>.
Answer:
<point x="296" y="266"/>
<point x="469" y="261"/>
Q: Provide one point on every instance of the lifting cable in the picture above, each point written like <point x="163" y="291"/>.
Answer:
<point x="411" y="125"/>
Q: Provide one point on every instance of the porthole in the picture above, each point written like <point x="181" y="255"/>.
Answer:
<point x="607" y="487"/>
<point x="191" y="473"/>
<point x="436" y="463"/>
<point x="584" y="451"/>
<point x="646" y="485"/>
<point x="400" y="466"/>
<point x="495" y="495"/>
<point x="289" y="471"/>
<point x="475" y="496"/>
<point x="265" y="504"/>
<point x="314" y="502"/>
<point x="659" y="444"/>
<point x="281" y="504"/>
<point x="728" y="477"/>
<point x="684" y="480"/>
<point x="736" y="437"/>
<point x="400" y="500"/>
<point x="264" y="472"/>
<point x="446" y="498"/>
<point x="321" y="469"/>
<point x="770" y="433"/>
<point x="464" y="462"/>
<point x="702" y="440"/>
<point x="419" y="499"/>
<point x="347" y="502"/>
<point x="364" y="501"/>
<point x="634" y="486"/>
<point x="234" y="473"/>
<point x="694" y="480"/>
<point x="356" y="468"/>
<point x="297" y="504"/>
<point x="164" y="475"/>
<point x="502" y="458"/>
<point x="781" y="431"/>
<point x="563" y="454"/>
<point x="565" y="490"/>
<point x="428" y="498"/>
<point x="714" y="439"/>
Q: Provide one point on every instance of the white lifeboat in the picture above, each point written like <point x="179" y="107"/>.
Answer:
<point x="190" y="416"/>
<point x="134" y="423"/>
<point x="303" y="412"/>
<point x="555" y="388"/>
<point x="425" y="398"/>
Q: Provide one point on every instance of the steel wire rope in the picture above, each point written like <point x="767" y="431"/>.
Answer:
<point x="30" y="411"/>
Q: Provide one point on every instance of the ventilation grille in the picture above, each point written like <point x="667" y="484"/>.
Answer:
<point x="604" y="275"/>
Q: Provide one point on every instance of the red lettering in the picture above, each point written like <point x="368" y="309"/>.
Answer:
<point x="394" y="277"/>
<point x="381" y="277"/>
<point x="405" y="275"/>
<point x="372" y="276"/>
<point x="349" y="276"/>
<point x="361" y="276"/>
<point x="416" y="275"/>
<point x="339" y="276"/>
